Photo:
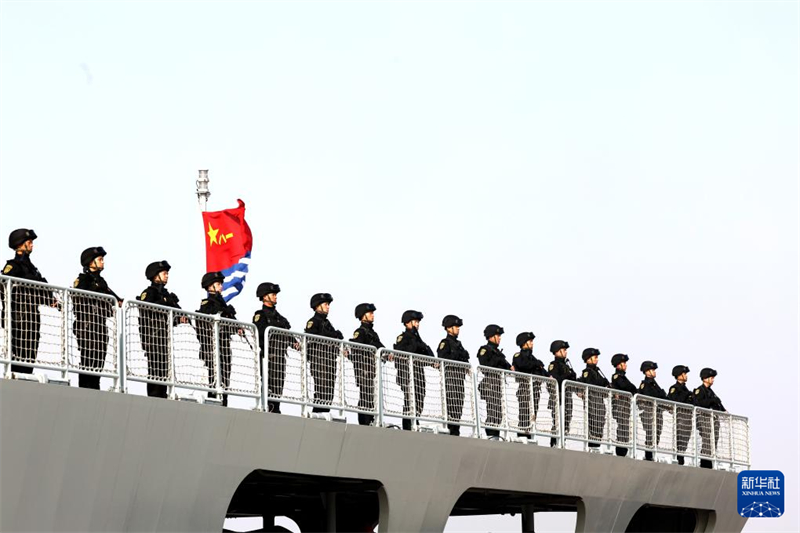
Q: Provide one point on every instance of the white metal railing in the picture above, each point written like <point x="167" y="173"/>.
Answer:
<point x="319" y="372"/>
<point x="70" y="331"/>
<point x="184" y="350"/>
<point x="517" y="403"/>
<point x="600" y="416"/>
<point x="419" y="388"/>
<point x="60" y="329"/>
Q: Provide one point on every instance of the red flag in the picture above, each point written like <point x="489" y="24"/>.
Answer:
<point x="228" y="246"/>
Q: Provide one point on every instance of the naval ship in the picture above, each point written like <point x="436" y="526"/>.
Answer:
<point x="75" y="459"/>
<point x="484" y="441"/>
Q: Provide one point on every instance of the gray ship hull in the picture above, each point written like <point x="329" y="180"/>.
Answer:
<point x="81" y="460"/>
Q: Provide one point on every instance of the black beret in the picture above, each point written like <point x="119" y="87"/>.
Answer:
<point x="648" y="365"/>
<point x="363" y="309"/>
<point x="618" y="358"/>
<point x="451" y="320"/>
<point x="90" y="254"/>
<point x="320" y="298"/>
<point x="590" y="352"/>
<point x="153" y="269"/>
<point x="267" y="288"/>
<point x="680" y="369"/>
<point x="210" y="278"/>
<point x="410" y="315"/>
<point x="491" y="330"/>
<point x="707" y="373"/>
<point x="524" y="337"/>
<point x="19" y="236"/>
<point x="558" y="345"/>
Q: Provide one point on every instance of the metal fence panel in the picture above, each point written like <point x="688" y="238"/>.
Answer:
<point x="243" y="364"/>
<point x="518" y="403"/>
<point x="708" y="429"/>
<point x="35" y="337"/>
<point x="598" y="415"/>
<point x="413" y="386"/>
<point x="740" y="429"/>
<point x="320" y="372"/>
<point x="459" y="400"/>
<point x="148" y="342"/>
<point x="92" y="345"/>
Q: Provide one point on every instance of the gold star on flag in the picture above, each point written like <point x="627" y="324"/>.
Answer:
<point x="212" y="235"/>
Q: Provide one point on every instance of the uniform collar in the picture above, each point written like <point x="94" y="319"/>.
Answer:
<point x="367" y="325"/>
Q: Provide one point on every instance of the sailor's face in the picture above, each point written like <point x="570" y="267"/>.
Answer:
<point x="369" y="317"/>
<point x="623" y="366"/>
<point x="324" y="308"/>
<point x="592" y="360"/>
<point x="163" y="277"/>
<point x="27" y="246"/>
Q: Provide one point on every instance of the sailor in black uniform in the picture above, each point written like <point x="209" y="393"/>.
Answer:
<point x="525" y="362"/>
<point x="560" y="369"/>
<point x="215" y="304"/>
<point x="680" y="393"/>
<point x="154" y="326"/>
<point x="409" y="341"/>
<point x="592" y="375"/>
<point x="706" y="398"/>
<point x="621" y="411"/>
<point x="322" y="355"/>
<point x="649" y="387"/>
<point x="90" y="327"/>
<point x="26" y="322"/>
<point x="451" y="349"/>
<point x="490" y="387"/>
<point x="265" y="317"/>
<point x="364" y="360"/>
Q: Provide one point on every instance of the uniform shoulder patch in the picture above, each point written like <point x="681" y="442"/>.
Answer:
<point x="697" y="391"/>
<point x="672" y="390"/>
<point x="310" y="324"/>
<point x="399" y="339"/>
<point x="483" y="351"/>
<point x="143" y="296"/>
<point x="204" y="302"/>
<point x="615" y="376"/>
<point x="256" y="317"/>
<point x="355" y="335"/>
<point x="441" y="345"/>
<point x="551" y="366"/>
<point x="586" y="374"/>
<point x="516" y="354"/>
<point x="8" y="269"/>
<point x="641" y="385"/>
<point x="76" y="282"/>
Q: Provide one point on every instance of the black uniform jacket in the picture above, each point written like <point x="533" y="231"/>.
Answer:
<point x="410" y="341"/>
<point x="269" y="316"/>
<point x="705" y="397"/>
<point x="560" y="369"/>
<point x="451" y="348"/>
<point x="94" y="282"/>
<point x="593" y="376"/>
<point x="320" y="325"/>
<point x="490" y="355"/>
<point x="620" y="381"/>
<point x="680" y="393"/>
<point x="527" y="363"/>
<point x="366" y="334"/>
<point x="649" y="387"/>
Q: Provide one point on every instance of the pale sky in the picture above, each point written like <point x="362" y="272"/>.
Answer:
<point x="620" y="175"/>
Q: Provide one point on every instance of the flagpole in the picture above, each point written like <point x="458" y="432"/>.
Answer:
<point x="202" y="190"/>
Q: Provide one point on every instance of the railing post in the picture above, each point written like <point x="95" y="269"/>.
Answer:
<point x="476" y="402"/>
<point x="171" y="360"/>
<point x="713" y="440"/>
<point x="217" y="360"/>
<point x="65" y="332"/>
<point x="9" y="329"/>
<point x="263" y="368"/>
<point x="562" y="432"/>
<point x="634" y="426"/>
<point x="304" y="376"/>
<point x="379" y="384"/>
<point x="121" y="354"/>
<point x="340" y="363"/>
<point x="443" y="384"/>
<point x="413" y="389"/>
<point x="730" y="440"/>
<point x="503" y="403"/>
